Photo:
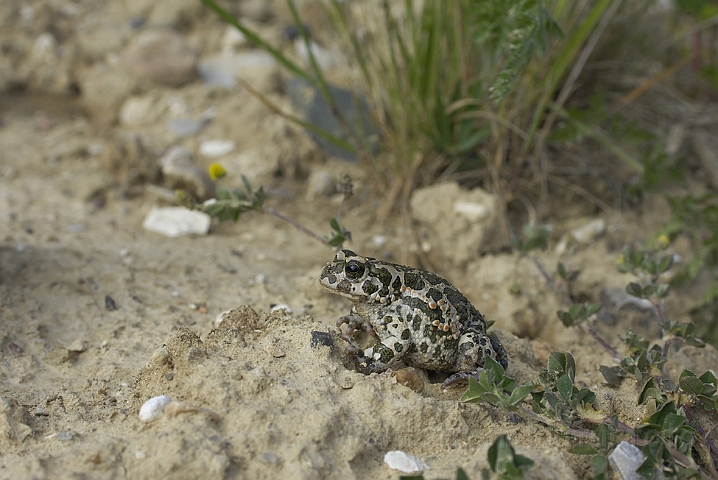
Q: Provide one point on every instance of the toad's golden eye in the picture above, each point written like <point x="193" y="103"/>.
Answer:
<point x="354" y="269"/>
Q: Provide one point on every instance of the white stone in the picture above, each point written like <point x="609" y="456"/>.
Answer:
<point x="139" y="111"/>
<point x="404" y="462"/>
<point x="177" y="221"/>
<point x="585" y="233"/>
<point x="281" y="306"/>
<point x="582" y="235"/>
<point x="153" y="408"/>
<point x="232" y="38"/>
<point x="326" y="59"/>
<point x="216" y="148"/>
<point x="625" y="460"/>
<point x="471" y="210"/>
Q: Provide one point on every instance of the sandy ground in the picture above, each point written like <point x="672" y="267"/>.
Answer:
<point x="97" y="314"/>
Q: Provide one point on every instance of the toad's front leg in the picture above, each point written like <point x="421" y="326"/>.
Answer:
<point x="394" y="344"/>
<point x="354" y="322"/>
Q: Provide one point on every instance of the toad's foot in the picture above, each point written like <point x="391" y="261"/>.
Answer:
<point x="460" y="377"/>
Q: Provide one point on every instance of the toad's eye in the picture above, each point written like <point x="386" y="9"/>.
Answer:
<point x="354" y="269"/>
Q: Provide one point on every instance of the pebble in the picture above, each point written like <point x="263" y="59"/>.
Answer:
<point x="315" y="110"/>
<point x="65" y="435"/>
<point x="180" y="171"/>
<point x="320" y="339"/>
<point x="279" y="307"/>
<point x="232" y="38"/>
<point x="626" y="459"/>
<point x="255" y="67"/>
<point x="153" y="408"/>
<point x="184" y="127"/>
<point x="216" y="148"/>
<point x="137" y="111"/>
<point x="402" y="461"/>
<point x="326" y="59"/>
<point x="409" y="377"/>
<point x="78" y="346"/>
<point x="320" y="183"/>
<point x="177" y="221"/>
<point x="162" y="56"/>
<point x="472" y="210"/>
<point x="582" y="235"/>
<point x="379" y="240"/>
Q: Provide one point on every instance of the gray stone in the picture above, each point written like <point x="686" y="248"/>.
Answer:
<point x="180" y="172"/>
<point x="257" y="68"/>
<point x="320" y="183"/>
<point x="104" y="88"/>
<point x="352" y="106"/>
<point x="626" y="459"/>
<point x="161" y="56"/>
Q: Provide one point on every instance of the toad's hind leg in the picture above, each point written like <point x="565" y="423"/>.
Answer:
<point x="393" y="346"/>
<point x="474" y="347"/>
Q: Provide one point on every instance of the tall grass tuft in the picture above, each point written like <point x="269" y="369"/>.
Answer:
<point x="460" y="88"/>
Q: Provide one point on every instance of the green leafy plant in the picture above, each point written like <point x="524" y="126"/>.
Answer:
<point x="505" y="462"/>
<point x="232" y="203"/>
<point x="492" y="387"/>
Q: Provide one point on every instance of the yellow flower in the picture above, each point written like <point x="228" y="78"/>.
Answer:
<point x="216" y="171"/>
<point x="663" y="241"/>
<point x="620" y="259"/>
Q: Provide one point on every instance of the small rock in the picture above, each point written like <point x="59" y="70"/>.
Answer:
<point x="110" y="304"/>
<point x="326" y="59"/>
<point x="398" y="460"/>
<point x="59" y="356"/>
<point x="177" y="221"/>
<point x="153" y="408"/>
<point x="140" y="110"/>
<point x="281" y="307"/>
<point x="78" y="346"/>
<point x="379" y="240"/>
<point x="184" y="127"/>
<point x="65" y="435"/>
<point x="180" y="171"/>
<point x="162" y="56"/>
<point x="352" y="106"/>
<point x="268" y="457"/>
<point x="320" y="339"/>
<point x="582" y="235"/>
<point x="320" y="183"/>
<point x="216" y="148"/>
<point x="626" y="459"/>
<point x="255" y="67"/>
<point x="232" y="39"/>
<point x="409" y="377"/>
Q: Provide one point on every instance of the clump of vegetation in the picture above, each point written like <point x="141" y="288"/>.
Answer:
<point x="504" y="463"/>
<point x="670" y="438"/>
<point x="232" y="203"/>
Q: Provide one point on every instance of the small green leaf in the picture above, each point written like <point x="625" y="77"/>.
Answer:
<point x="565" y="387"/>
<point x="634" y="289"/>
<point x="461" y="474"/>
<point x="665" y="264"/>
<point x="583" y="449"/>
<point x="691" y="385"/>
<point x="649" y="290"/>
<point x="598" y="464"/>
<point x="561" y="269"/>
<point x="519" y="393"/>
<point x="611" y="375"/>
<point x="708" y="377"/>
